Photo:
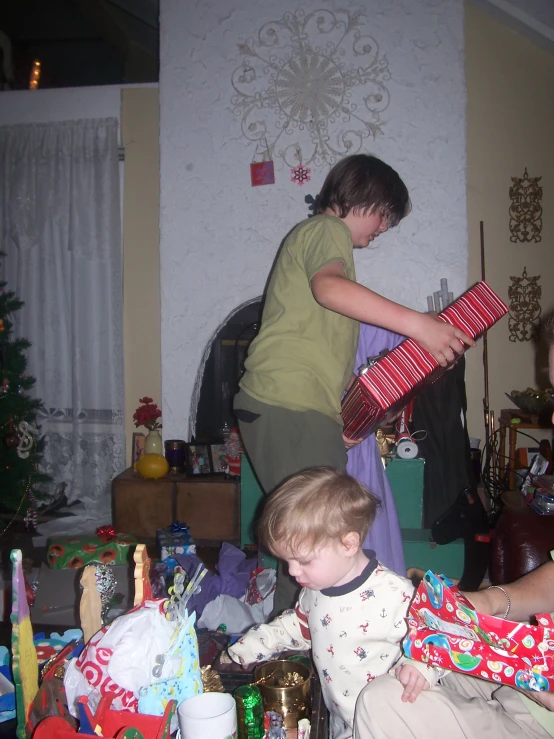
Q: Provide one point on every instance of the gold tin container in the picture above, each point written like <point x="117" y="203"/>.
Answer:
<point x="292" y="702"/>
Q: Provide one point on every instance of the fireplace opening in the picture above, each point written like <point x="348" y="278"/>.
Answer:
<point x="219" y="373"/>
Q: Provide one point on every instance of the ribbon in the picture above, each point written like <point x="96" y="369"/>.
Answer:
<point x="106" y="533"/>
<point x="178" y="528"/>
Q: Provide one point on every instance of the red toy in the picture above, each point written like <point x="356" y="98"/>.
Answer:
<point x="111" y="724"/>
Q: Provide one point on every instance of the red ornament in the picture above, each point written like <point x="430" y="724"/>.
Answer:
<point x="262" y="173"/>
<point x="11" y="440"/>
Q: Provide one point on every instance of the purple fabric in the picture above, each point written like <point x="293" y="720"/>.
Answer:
<point x="234" y="576"/>
<point x="364" y="463"/>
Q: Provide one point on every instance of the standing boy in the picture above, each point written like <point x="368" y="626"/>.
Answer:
<point x="302" y="360"/>
<point x="351" y="611"/>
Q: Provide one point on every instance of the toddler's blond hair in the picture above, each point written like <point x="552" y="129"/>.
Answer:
<point x="315" y="507"/>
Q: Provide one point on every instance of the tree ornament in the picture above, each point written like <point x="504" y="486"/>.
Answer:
<point x="26" y="439"/>
<point x="5" y="385"/>
<point x="11" y="440"/>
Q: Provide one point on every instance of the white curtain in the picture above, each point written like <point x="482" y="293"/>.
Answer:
<point x="61" y="230"/>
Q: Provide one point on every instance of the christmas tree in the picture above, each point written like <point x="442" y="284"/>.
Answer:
<point x="20" y="448"/>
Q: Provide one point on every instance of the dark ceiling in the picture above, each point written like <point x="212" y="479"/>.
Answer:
<point x="79" y="42"/>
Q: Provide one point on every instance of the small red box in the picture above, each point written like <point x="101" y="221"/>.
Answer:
<point x="391" y="382"/>
<point x="262" y="173"/>
<point x="446" y="631"/>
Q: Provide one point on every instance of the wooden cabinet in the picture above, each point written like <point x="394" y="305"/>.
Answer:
<point x="210" y="506"/>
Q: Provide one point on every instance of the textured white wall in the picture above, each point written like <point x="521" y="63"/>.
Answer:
<point x="219" y="235"/>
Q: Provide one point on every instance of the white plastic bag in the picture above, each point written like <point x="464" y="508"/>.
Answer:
<point x="119" y="660"/>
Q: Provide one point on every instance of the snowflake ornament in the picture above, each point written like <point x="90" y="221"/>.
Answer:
<point x="300" y="174"/>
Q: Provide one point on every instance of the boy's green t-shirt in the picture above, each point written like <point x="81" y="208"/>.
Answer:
<point x="303" y="356"/>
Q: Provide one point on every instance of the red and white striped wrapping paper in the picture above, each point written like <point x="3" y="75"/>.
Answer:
<point x="384" y="389"/>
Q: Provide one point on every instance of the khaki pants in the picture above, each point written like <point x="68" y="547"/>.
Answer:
<point x="280" y="442"/>
<point x="460" y="707"/>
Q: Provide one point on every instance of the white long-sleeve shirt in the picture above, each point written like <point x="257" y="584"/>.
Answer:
<point x="354" y="632"/>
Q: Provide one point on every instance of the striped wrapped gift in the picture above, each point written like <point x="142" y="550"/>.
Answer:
<point x="389" y="384"/>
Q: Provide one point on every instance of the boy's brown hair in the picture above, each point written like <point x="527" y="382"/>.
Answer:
<point x="363" y="183"/>
<point x="315" y="507"/>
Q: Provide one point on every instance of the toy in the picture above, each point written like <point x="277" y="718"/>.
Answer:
<point x="108" y="724"/>
<point x="24" y="656"/>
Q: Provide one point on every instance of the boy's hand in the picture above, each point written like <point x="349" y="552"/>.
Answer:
<point x="412" y="680"/>
<point x="349" y="443"/>
<point x="440" y="339"/>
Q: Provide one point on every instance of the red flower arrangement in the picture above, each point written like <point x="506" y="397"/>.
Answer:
<point x="147" y="414"/>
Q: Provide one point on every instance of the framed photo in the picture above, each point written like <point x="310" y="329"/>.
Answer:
<point x="138" y="446"/>
<point x="198" y="459"/>
<point x="219" y="459"/>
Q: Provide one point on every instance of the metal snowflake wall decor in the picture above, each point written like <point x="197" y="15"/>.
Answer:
<point x="311" y="88"/>
<point x="526" y="209"/>
<point x="524" y="295"/>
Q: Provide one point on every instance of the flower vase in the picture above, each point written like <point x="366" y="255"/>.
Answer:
<point x="153" y="443"/>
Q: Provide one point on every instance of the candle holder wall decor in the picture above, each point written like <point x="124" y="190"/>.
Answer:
<point x="524" y="295"/>
<point x="525" y="209"/>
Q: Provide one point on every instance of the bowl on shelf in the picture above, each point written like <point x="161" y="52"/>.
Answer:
<point x="535" y="402"/>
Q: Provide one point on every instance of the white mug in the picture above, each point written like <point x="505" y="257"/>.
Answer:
<point x="208" y="716"/>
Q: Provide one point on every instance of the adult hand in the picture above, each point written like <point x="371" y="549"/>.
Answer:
<point x="441" y="339"/>
<point x="412" y="680"/>
<point x="543" y="699"/>
<point x="349" y="443"/>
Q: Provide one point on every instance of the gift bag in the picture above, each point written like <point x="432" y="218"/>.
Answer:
<point x="126" y="659"/>
<point x="445" y="630"/>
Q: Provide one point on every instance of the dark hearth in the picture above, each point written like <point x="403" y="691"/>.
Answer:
<point x="223" y="370"/>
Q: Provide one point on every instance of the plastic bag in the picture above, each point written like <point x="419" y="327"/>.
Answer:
<point x="238" y="615"/>
<point x="138" y="649"/>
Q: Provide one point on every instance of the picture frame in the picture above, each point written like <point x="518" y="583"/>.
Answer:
<point x="218" y="459"/>
<point x="198" y="459"/>
<point x="138" y="447"/>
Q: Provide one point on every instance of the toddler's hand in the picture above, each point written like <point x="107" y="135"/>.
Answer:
<point x="412" y="680"/>
<point x="440" y="339"/>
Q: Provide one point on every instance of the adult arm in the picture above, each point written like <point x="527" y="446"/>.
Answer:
<point x="334" y="291"/>
<point x="531" y="594"/>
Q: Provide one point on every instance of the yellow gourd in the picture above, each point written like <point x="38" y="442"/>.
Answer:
<point x="152" y="466"/>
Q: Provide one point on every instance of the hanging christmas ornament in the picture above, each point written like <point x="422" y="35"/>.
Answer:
<point x="26" y="439"/>
<point x="31" y="517"/>
<point x="5" y="385"/>
<point x="11" y="440"/>
<point x="2" y="325"/>
<point x="300" y="174"/>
